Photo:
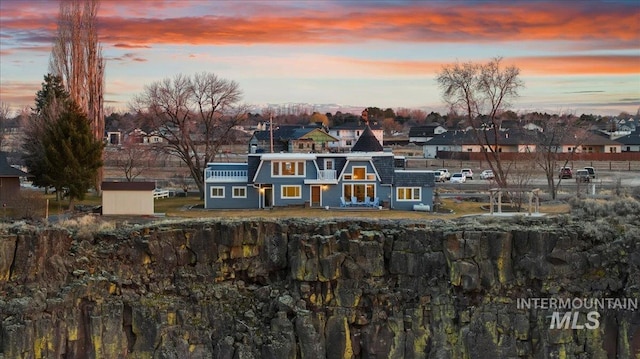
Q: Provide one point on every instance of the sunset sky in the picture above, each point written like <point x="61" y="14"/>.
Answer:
<point x="574" y="56"/>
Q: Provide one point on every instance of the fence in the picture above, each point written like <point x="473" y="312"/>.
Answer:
<point x="625" y="161"/>
<point x="160" y="193"/>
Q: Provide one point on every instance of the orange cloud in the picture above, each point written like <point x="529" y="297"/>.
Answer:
<point x="541" y="65"/>
<point x="141" y="24"/>
<point x="578" y="65"/>
<point x="422" y="22"/>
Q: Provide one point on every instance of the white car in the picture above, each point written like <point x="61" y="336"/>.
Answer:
<point x="467" y="172"/>
<point x="458" y="178"/>
<point x="445" y="172"/>
<point x="487" y="174"/>
<point x="439" y="176"/>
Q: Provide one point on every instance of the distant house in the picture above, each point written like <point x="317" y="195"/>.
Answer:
<point x="591" y="143"/>
<point x="467" y="141"/>
<point x="114" y="138"/>
<point x="140" y="136"/>
<point x="516" y="140"/>
<point x="448" y="141"/>
<point x="127" y="198"/>
<point x="358" y="178"/>
<point x="349" y="133"/>
<point x="631" y="142"/>
<point x="292" y="139"/>
<point x="422" y="134"/>
<point x="9" y="179"/>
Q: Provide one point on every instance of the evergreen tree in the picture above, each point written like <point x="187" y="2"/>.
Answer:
<point x="50" y="102"/>
<point x="73" y="156"/>
<point x="52" y="93"/>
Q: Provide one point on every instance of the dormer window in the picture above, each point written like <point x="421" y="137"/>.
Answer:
<point x="287" y="168"/>
<point x="359" y="174"/>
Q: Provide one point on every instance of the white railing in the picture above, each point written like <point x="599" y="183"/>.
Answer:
<point x="327" y="174"/>
<point x="225" y="175"/>
<point x="160" y="193"/>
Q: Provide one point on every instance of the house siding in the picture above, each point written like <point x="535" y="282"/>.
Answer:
<point x="228" y="202"/>
<point x="425" y="198"/>
<point x="379" y="165"/>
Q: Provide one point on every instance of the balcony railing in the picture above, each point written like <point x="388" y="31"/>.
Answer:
<point x="327" y="174"/>
<point x="225" y="175"/>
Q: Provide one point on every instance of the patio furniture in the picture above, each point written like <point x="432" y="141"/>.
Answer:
<point x="344" y="203"/>
<point x="354" y="201"/>
<point x="376" y="202"/>
<point x="367" y="201"/>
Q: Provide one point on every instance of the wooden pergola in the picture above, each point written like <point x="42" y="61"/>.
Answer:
<point x="495" y="197"/>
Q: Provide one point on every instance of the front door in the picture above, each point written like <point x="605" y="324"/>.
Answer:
<point x="315" y="196"/>
<point x="267" y="198"/>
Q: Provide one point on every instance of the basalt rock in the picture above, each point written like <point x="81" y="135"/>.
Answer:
<point x="316" y="289"/>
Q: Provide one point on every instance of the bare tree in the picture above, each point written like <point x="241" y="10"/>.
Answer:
<point x="194" y="116"/>
<point x="482" y="92"/>
<point x="77" y="57"/>
<point x="549" y="141"/>
<point x="133" y="158"/>
<point x="5" y="110"/>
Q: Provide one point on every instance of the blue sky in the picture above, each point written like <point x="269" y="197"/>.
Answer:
<point x="574" y="56"/>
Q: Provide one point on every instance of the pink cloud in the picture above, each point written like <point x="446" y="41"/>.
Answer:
<point x="140" y="23"/>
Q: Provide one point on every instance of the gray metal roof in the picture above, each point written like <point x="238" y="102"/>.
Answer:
<point x="414" y="179"/>
<point x="7" y="170"/>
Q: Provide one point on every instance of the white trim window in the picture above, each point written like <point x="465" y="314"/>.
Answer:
<point x="359" y="173"/>
<point x="329" y="164"/>
<point x="409" y="194"/>
<point x="287" y="169"/>
<point x="216" y="192"/>
<point x="290" y="192"/>
<point x="239" y="192"/>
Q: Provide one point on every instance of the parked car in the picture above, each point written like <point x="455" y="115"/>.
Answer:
<point x="592" y="171"/>
<point x="439" y="176"/>
<point x="447" y="174"/>
<point x="565" y="172"/>
<point x="583" y="176"/>
<point x="467" y="172"/>
<point x="458" y="178"/>
<point x="487" y="174"/>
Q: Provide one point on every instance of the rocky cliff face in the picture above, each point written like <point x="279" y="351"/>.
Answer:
<point x="312" y="289"/>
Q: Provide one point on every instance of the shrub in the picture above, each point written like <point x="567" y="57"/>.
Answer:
<point x="625" y="209"/>
<point x="86" y="227"/>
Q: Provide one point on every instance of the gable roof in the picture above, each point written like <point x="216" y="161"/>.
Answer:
<point x="303" y="134"/>
<point x="7" y="171"/>
<point x="367" y="142"/>
<point x="632" y="139"/>
<point x="424" y="131"/>
<point x="128" y="186"/>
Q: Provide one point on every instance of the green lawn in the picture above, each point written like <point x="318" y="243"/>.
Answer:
<point x="181" y="207"/>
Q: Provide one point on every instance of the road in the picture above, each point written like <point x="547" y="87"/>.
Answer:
<point x="604" y="183"/>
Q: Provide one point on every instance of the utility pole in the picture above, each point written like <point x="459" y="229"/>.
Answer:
<point x="271" y="131"/>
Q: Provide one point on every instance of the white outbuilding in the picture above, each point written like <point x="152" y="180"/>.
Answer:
<point x="127" y="198"/>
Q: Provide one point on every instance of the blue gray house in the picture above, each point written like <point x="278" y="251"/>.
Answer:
<point x="359" y="178"/>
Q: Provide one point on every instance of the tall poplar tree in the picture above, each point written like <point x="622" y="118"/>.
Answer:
<point x="77" y="58"/>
